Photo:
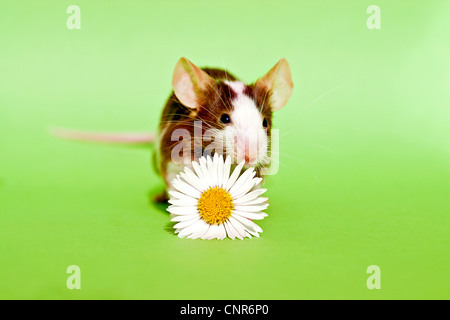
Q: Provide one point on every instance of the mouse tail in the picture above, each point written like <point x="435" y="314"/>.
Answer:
<point x="104" y="137"/>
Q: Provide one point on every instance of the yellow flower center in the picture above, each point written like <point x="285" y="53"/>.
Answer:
<point x="215" y="205"/>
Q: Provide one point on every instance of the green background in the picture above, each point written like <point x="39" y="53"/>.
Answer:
<point x="364" y="177"/>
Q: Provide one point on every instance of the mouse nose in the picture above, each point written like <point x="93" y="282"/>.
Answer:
<point x="249" y="158"/>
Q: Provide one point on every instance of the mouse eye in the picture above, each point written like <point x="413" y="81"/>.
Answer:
<point x="265" y="123"/>
<point x="225" y="118"/>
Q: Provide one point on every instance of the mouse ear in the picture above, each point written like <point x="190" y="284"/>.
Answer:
<point x="278" y="82"/>
<point x="188" y="82"/>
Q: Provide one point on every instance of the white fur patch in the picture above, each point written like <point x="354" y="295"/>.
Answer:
<point x="237" y="86"/>
<point x="246" y="135"/>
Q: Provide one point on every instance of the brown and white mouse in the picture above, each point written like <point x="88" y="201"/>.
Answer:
<point x="220" y="114"/>
<point x="210" y="111"/>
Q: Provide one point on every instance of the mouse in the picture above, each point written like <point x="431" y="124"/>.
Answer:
<point x="209" y="111"/>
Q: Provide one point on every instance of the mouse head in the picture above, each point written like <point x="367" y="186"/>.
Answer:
<point x="236" y="118"/>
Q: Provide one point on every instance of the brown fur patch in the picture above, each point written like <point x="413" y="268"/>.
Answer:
<point x="214" y="101"/>
<point x="261" y="96"/>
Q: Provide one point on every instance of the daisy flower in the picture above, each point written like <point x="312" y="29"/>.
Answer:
<point x="210" y="203"/>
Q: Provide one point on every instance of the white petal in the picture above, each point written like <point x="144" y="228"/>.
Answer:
<point x="180" y="195"/>
<point x="230" y="230"/>
<point x="206" y="174"/>
<point x="255" y="201"/>
<point x="185" y="217"/>
<point x="238" y="227"/>
<point x="234" y="175"/>
<point x="251" y="215"/>
<point x="253" y="208"/>
<point x="246" y="187"/>
<point x="241" y="180"/>
<point x="192" y="180"/>
<point x="222" y="234"/>
<point x="182" y="210"/>
<point x="213" y="165"/>
<point x="187" y="231"/>
<point x="258" y="180"/>
<point x="207" y="233"/>
<point x="198" y="172"/>
<point x="235" y="232"/>
<point x="249" y="196"/>
<point x="226" y="171"/>
<point x="209" y="162"/>
<point x="210" y="165"/>
<point x="256" y="234"/>
<point x="220" y="171"/>
<point x="184" y="224"/>
<point x="185" y="188"/>
<point x="213" y="232"/>
<point x="184" y="202"/>
<point x="189" y="171"/>
<point x="245" y="179"/>
<point x="248" y="224"/>
<point x="201" y="227"/>
<point x="216" y="159"/>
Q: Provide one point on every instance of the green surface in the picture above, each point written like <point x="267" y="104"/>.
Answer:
<point x="365" y="150"/>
